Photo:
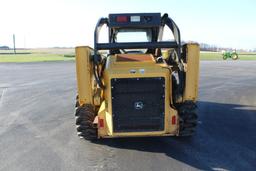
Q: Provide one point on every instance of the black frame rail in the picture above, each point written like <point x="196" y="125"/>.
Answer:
<point x="136" y="45"/>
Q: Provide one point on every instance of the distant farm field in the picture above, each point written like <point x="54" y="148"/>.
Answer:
<point x="33" y="58"/>
<point x="67" y="54"/>
<point x="38" y="55"/>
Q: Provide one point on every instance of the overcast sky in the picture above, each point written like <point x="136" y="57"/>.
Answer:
<point x="49" y="23"/>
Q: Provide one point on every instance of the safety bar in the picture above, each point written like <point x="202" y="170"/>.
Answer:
<point x="136" y="45"/>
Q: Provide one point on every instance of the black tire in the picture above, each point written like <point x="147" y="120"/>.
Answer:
<point x="85" y="116"/>
<point x="187" y="118"/>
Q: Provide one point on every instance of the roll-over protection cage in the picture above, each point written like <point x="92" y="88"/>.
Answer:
<point x="144" y="20"/>
<point x="153" y="21"/>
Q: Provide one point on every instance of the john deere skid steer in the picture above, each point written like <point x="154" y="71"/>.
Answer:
<point x="136" y="84"/>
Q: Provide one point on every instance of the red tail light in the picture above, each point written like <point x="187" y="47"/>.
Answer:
<point x="121" y="19"/>
<point x="173" y="120"/>
<point x="101" y="123"/>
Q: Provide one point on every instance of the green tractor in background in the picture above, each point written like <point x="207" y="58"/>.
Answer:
<point x="228" y="54"/>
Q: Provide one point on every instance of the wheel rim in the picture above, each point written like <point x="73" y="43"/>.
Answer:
<point x="235" y="56"/>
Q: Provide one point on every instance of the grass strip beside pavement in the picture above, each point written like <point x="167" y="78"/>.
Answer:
<point x="33" y="57"/>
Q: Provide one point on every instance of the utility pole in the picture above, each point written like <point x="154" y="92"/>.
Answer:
<point x="14" y="48"/>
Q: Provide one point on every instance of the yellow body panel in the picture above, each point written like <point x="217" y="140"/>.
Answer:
<point x="192" y="72"/>
<point x="134" y="70"/>
<point x="84" y="74"/>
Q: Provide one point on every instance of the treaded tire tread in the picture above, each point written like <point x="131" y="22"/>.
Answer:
<point x="187" y="118"/>
<point x="84" y="121"/>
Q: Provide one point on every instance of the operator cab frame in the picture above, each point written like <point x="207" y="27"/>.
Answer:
<point x="152" y="22"/>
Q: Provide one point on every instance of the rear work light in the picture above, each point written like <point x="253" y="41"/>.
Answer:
<point x="135" y="18"/>
<point x="121" y="19"/>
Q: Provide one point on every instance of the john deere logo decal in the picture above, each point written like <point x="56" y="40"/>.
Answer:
<point x="138" y="105"/>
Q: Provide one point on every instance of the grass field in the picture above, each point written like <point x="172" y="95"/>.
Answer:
<point x="67" y="54"/>
<point x="37" y="55"/>
<point x="33" y="58"/>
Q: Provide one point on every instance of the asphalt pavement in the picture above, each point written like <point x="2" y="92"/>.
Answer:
<point x="37" y="130"/>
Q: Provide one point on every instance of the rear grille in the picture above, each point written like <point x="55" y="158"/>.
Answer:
<point x="138" y="104"/>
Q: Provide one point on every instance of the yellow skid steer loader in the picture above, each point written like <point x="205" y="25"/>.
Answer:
<point x="136" y="84"/>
